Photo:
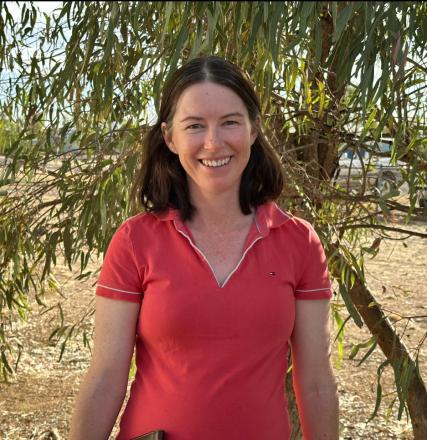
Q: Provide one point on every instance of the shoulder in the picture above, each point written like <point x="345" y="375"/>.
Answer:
<point x="143" y="219"/>
<point x="142" y="222"/>
<point x="302" y="231"/>
<point x="288" y="224"/>
<point x="299" y="225"/>
<point x="146" y="227"/>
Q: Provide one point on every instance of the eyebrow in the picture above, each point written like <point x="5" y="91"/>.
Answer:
<point x="198" y="118"/>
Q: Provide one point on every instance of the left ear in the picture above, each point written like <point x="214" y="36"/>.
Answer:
<point x="255" y="129"/>
<point x="167" y="137"/>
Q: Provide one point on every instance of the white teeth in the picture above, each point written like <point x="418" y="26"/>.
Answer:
<point x="215" y="163"/>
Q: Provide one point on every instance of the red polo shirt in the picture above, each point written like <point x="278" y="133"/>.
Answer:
<point x="211" y="358"/>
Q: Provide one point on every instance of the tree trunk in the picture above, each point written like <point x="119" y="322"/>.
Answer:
<point x="392" y="347"/>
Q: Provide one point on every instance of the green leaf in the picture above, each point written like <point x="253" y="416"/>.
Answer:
<point x="274" y="33"/>
<point x="306" y="10"/>
<point x="342" y="20"/>
<point x="46" y="268"/>
<point x="182" y="37"/>
<point x="111" y="38"/>
<point x="103" y="211"/>
<point x="318" y="39"/>
<point x="68" y="246"/>
<point x="197" y="47"/>
<point x="108" y="92"/>
<point x="5" y="364"/>
<point x="379" y="389"/>
<point x="168" y="12"/>
<point x="373" y="344"/>
<point x="254" y="30"/>
<point x="354" y="350"/>
<point x="350" y="306"/>
<point x="212" y="23"/>
<point x="339" y="338"/>
<point x="334" y="14"/>
<point x="378" y="399"/>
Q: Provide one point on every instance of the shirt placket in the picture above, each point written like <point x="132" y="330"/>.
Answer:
<point x="254" y="236"/>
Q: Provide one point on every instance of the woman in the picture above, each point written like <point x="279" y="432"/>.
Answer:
<point x="211" y="284"/>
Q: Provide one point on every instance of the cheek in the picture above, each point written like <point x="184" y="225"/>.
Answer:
<point x="187" y="143"/>
<point x="240" y="138"/>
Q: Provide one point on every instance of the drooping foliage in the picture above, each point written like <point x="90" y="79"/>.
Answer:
<point x="80" y="86"/>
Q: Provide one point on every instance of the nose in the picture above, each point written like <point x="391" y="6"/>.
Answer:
<point x="213" y="139"/>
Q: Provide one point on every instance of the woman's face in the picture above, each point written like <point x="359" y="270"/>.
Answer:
<point x="212" y="135"/>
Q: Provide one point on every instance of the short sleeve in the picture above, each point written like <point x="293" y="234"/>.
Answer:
<point x="314" y="282"/>
<point x="120" y="276"/>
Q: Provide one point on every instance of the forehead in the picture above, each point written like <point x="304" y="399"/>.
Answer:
<point x="208" y="99"/>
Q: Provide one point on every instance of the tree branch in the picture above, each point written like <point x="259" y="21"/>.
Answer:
<point x="386" y="228"/>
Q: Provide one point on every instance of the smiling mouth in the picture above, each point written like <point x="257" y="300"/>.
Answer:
<point x="215" y="163"/>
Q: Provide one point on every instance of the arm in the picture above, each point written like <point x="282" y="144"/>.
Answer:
<point x="104" y="387"/>
<point x="313" y="378"/>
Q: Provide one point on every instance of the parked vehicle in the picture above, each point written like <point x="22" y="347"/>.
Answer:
<point x="371" y="167"/>
<point x="422" y="197"/>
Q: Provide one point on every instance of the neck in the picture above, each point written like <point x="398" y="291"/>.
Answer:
<point x="217" y="210"/>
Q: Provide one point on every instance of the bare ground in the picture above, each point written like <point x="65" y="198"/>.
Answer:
<point x="38" y="401"/>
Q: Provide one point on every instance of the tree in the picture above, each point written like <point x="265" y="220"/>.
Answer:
<point x="333" y="77"/>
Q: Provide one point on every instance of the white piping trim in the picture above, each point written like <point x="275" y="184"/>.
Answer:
<point x="198" y="250"/>
<point x="256" y="224"/>
<point x="313" y="290"/>
<point x="283" y="212"/>
<point x="119" y="290"/>
<point x="238" y="264"/>
<point x="207" y="261"/>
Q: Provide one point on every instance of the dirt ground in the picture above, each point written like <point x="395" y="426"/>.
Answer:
<point x="37" y="403"/>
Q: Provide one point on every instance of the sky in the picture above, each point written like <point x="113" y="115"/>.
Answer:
<point x="47" y="7"/>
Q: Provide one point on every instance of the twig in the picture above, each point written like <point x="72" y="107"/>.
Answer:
<point x="387" y="228"/>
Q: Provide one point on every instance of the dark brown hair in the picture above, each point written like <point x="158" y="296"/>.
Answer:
<point x="162" y="181"/>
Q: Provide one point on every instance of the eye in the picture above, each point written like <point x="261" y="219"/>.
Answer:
<point x="230" y="122"/>
<point x="194" y="127"/>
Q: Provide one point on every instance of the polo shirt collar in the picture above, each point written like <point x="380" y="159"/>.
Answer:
<point x="173" y="215"/>
<point x="168" y="214"/>
<point x="268" y="216"/>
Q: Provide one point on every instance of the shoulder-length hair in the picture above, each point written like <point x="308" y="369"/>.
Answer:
<point x="162" y="182"/>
